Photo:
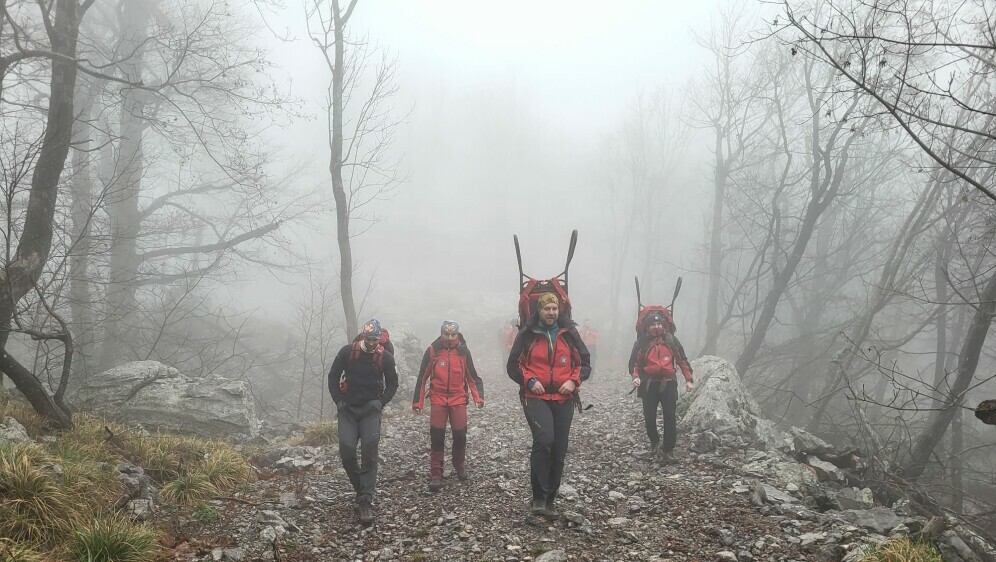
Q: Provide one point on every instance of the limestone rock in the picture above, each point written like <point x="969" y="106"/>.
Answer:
<point x="160" y="397"/>
<point x="722" y="405"/>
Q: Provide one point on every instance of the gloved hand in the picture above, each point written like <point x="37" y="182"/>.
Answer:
<point x="480" y="403"/>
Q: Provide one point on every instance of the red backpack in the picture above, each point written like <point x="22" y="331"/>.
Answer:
<point x="658" y="358"/>
<point x="530" y="289"/>
<point x="642" y="312"/>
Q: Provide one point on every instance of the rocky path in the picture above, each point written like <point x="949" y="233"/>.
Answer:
<point x="618" y="504"/>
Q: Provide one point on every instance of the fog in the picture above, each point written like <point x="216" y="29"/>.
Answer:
<point x="177" y="185"/>
<point x="509" y="130"/>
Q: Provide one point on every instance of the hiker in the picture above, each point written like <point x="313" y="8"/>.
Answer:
<point x="448" y="373"/>
<point x="589" y="336"/>
<point x="362" y="381"/>
<point x="652" y="366"/>
<point x="508" y="332"/>
<point x="549" y="362"/>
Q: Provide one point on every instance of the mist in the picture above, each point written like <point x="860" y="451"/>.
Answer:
<point x="177" y="184"/>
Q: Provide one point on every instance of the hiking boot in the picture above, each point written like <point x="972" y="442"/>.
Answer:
<point x="668" y="457"/>
<point x="550" y="512"/>
<point x="655" y="449"/>
<point x="537" y="507"/>
<point x="435" y="485"/>
<point x="462" y="474"/>
<point x="365" y="513"/>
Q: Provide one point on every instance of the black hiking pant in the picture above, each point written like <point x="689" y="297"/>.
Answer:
<point x="550" y="423"/>
<point x="664" y="393"/>
<point x="359" y="424"/>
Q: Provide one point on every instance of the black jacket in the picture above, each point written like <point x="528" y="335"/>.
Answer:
<point x="363" y="377"/>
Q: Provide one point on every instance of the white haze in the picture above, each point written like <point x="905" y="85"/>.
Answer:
<point x="513" y="107"/>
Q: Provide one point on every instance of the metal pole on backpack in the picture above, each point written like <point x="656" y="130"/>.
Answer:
<point x="677" y="288"/>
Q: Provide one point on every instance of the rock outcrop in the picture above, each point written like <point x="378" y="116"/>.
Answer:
<point x="157" y="396"/>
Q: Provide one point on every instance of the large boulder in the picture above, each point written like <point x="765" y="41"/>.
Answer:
<point x="722" y="405"/>
<point x="160" y="397"/>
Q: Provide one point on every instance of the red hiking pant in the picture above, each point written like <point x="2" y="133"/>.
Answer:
<point x="457" y="416"/>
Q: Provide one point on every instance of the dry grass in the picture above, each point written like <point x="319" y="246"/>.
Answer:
<point x="13" y="552"/>
<point x="319" y="434"/>
<point x="66" y="512"/>
<point x="113" y="539"/>
<point x="37" y="510"/>
<point x="190" y="488"/>
<point x="903" y="550"/>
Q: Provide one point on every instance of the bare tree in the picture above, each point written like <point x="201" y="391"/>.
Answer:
<point x="920" y="63"/>
<point x="361" y="129"/>
<point x="731" y="104"/>
<point x="56" y="50"/>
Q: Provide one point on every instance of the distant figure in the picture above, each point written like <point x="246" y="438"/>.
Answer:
<point x="589" y="336"/>
<point x="549" y="361"/>
<point x="508" y="332"/>
<point x="448" y="374"/>
<point x="652" y="364"/>
<point x="362" y="381"/>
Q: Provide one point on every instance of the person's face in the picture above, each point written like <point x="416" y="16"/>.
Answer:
<point x="549" y="314"/>
<point x="656" y="329"/>
<point x="371" y="343"/>
<point x="450" y="339"/>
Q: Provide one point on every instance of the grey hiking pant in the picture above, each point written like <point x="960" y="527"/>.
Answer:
<point x="550" y="423"/>
<point x="359" y="424"/>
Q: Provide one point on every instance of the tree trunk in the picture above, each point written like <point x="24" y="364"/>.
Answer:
<point x="22" y="273"/>
<point x="941" y="259"/>
<point x="81" y="191"/>
<point x="968" y="360"/>
<point x="716" y="249"/>
<point x="122" y="199"/>
<point x="957" y="448"/>
<point x="335" y="171"/>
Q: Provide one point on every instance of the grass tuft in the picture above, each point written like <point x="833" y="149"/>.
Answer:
<point x="190" y="488"/>
<point x="36" y="508"/>
<point x="319" y="434"/>
<point x="113" y="539"/>
<point x="903" y="550"/>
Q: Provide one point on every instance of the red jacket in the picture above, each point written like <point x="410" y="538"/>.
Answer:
<point x="534" y="360"/>
<point x="447" y="374"/>
<point x="643" y="347"/>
